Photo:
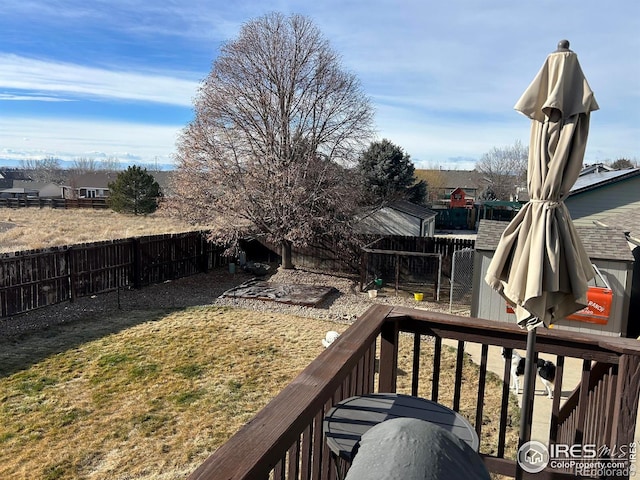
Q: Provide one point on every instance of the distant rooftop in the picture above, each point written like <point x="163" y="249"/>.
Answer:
<point x="596" y="178"/>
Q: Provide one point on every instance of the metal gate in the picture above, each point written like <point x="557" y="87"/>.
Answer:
<point x="461" y="280"/>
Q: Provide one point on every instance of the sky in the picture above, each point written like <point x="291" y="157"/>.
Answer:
<point x="117" y="78"/>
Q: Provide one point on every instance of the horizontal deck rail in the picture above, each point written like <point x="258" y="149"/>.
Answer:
<point x="285" y="441"/>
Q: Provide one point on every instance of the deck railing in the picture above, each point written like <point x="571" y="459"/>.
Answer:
<point x="285" y="439"/>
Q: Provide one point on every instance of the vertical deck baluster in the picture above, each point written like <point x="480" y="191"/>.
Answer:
<point x="293" y="467"/>
<point x="504" y="407"/>
<point x="306" y="453"/>
<point x="555" y="404"/>
<point x="415" y="373"/>
<point x="484" y="354"/>
<point x="458" y="385"/>
<point x="437" y="354"/>
<point x="318" y="448"/>
<point x="582" y="403"/>
<point x="612" y="381"/>
<point x="278" y="470"/>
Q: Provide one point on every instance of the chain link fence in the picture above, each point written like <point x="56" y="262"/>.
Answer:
<point x="461" y="281"/>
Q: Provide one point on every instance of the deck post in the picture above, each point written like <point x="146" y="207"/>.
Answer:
<point x="389" y="337"/>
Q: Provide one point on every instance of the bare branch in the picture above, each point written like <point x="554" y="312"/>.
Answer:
<point x="276" y="122"/>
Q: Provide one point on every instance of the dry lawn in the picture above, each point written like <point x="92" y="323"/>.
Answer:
<point x="150" y="394"/>
<point x="31" y="228"/>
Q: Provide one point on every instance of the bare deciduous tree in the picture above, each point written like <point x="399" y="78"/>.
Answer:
<point x="277" y="121"/>
<point x="504" y="169"/>
<point x="43" y="170"/>
<point x="110" y="164"/>
<point x="84" y="165"/>
<point x="622" y="164"/>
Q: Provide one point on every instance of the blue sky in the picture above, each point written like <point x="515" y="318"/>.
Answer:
<point x="116" y="78"/>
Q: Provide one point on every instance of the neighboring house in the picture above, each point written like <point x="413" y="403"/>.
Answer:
<point x="608" y="250"/>
<point x="163" y="177"/>
<point x="96" y="184"/>
<point x="17" y="192"/>
<point x="399" y="218"/>
<point x="471" y="182"/>
<point x="89" y="185"/>
<point x="45" y="190"/>
<point x="7" y="177"/>
<point x="596" y="168"/>
<point x="600" y="193"/>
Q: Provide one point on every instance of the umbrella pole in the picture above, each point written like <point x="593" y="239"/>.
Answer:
<point x="526" y="411"/>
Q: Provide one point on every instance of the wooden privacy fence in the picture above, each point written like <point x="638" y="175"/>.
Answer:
<point x="343" y="257"/>
<point x="96" y="203"/>
<point x="38" y="278"/>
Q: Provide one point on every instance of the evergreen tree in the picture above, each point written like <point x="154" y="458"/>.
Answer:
<point x="134" y="191"/>
<point x="388" y="174"/>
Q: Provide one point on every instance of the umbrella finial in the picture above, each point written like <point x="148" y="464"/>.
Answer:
<point x="563" y="46"/>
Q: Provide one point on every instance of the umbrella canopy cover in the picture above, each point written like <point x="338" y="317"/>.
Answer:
<point x="540" y="265"/>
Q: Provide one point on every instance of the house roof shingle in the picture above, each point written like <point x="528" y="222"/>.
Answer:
<point x="413" y="209"/>
<point x="627" y="221"/>
<point x="602" y="243"/>
<point x="468" y="179"/>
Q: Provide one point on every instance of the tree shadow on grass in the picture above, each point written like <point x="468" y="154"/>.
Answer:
<point x="23" y="351"/>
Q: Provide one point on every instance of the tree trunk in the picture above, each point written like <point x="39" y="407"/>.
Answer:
<point x="286" y="255"/>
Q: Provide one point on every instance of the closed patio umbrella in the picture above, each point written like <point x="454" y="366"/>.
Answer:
<point x="540" y="265"/>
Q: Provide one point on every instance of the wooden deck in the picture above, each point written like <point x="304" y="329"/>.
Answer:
<point x="285" y="439"/>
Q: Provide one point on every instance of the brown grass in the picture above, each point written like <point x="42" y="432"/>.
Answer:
<point x="151" y="394"/>
<point x="31" y="228"/>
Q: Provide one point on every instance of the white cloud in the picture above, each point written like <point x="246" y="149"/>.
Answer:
<point x="68" y="139"/>
<point x="444" y="76"/>
<point x="28" y="74"/>
<point x="30" y="97"/>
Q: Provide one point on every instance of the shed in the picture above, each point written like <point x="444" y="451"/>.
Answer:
<point x="399" y="218"/>
<point x="608" y="250"/>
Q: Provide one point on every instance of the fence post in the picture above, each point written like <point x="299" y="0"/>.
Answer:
<point x="71" y="269"/>
<point x="137" y="263"/>
<point x="204" y="258"/>
<point x="364" y="257"/>
<point x="452" y="280"/>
